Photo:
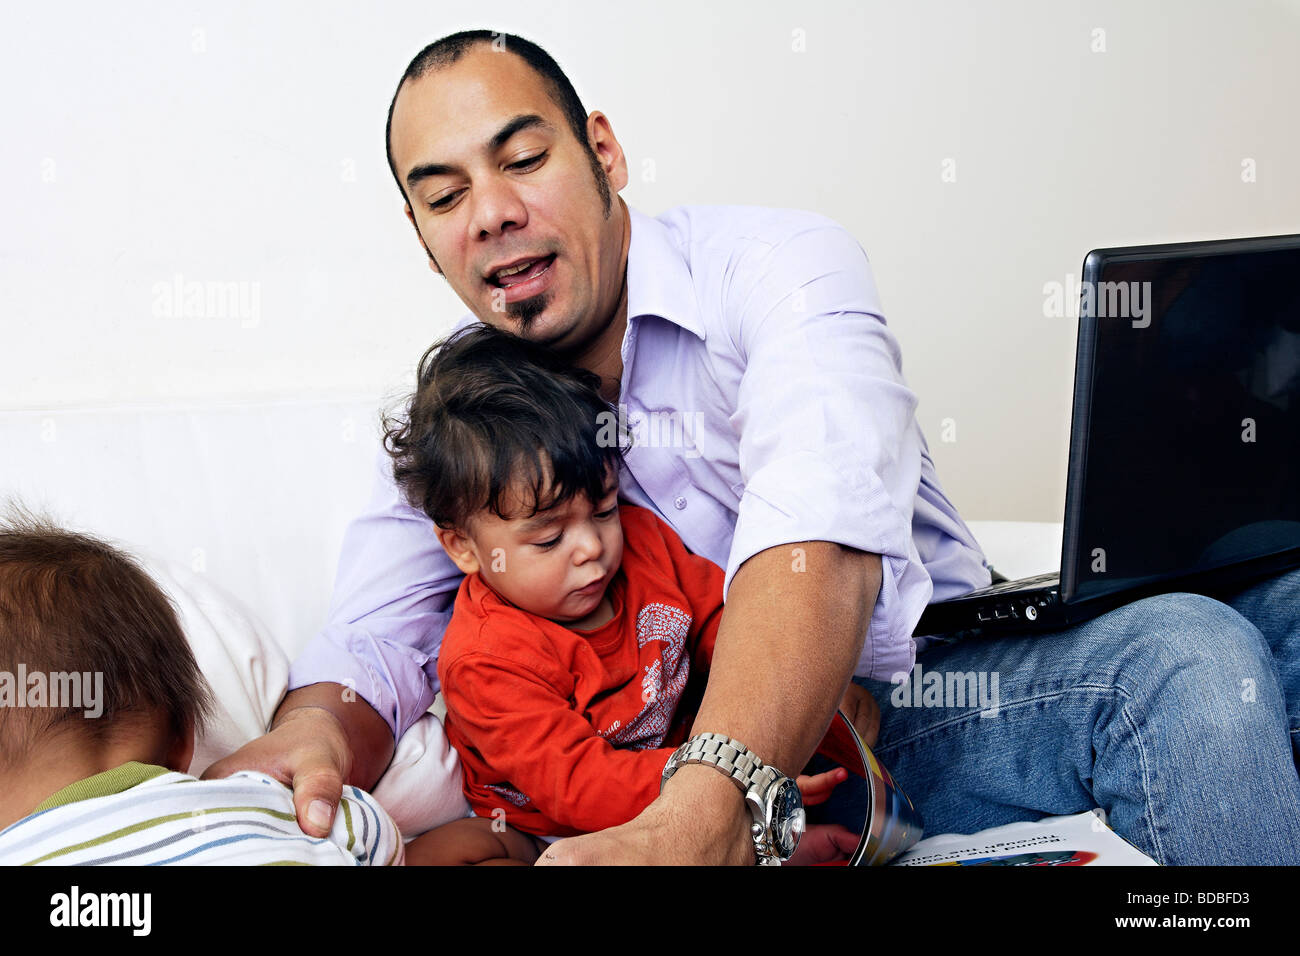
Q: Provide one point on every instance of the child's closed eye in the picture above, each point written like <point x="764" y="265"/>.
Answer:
<point x="603" y="515"/>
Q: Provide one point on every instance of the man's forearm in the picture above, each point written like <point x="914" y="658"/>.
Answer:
<point x="368" y="737"/>
<point x="790" y="635"/>
<point x="786" y="648"/>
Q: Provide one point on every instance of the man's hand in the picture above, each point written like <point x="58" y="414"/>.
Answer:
<point x="307" y="751"/>
<point x="667" y="831"/>
<point x="863" y="713"/>
<point x="700" y="818"/>
<point x="321" y="738"/>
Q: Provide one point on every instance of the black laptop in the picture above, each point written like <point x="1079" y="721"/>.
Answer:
<point x="1184" y="470"/>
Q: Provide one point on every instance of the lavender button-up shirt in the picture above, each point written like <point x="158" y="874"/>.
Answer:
<point x="766" y="402"/>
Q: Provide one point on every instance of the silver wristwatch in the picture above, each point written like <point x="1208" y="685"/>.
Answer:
<point x="773" y="799"/>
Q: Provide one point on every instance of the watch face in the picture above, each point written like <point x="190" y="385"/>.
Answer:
<point x="787" y="818"/>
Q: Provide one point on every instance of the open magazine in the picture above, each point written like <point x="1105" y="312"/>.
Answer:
<point x="870" y="802"/>
<point x="1079" y="840"/>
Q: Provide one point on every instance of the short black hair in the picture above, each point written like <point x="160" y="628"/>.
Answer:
<point x="491" y="409"/>
<point x="449" y="49"/>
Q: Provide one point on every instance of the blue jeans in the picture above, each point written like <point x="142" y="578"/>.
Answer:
<point x="1178" y="715"/>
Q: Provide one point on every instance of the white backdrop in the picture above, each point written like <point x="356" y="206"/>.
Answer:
<point x="977" y="150"/>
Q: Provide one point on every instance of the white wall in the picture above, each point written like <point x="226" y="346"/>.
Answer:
<point x="243" y="143"/>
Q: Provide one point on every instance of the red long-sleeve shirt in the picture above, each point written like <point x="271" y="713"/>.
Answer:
<point x="569" y="732"/>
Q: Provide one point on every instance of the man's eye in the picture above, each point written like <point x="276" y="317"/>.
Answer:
<point x="528" y="162"/>
<point x="441" y="202"/>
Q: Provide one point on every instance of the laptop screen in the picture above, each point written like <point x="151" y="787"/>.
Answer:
<point x="1185" y="446"/>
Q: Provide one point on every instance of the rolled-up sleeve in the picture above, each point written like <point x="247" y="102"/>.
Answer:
<point x="829" y="445"/>
<point x="393" y="596"/>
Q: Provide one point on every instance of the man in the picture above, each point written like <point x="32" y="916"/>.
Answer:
<point x="798" y="466"/>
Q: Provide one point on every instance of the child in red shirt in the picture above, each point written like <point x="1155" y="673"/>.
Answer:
<point x="565" y="725"/>
<point x="583" y="629"/>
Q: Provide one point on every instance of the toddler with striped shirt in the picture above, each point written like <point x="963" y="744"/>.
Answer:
<point x="100" y="701"/>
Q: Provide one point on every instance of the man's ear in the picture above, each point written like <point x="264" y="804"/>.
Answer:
<point x="432" y="262"/>
<point x="600" y="134"/>
<point x="458" y="548"/>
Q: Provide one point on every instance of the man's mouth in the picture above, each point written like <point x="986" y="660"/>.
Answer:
<point x="520" y="272"/>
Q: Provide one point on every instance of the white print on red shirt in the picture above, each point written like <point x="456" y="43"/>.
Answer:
<point x="669" y="626"/>
<point x="507" y="792"/>
<point x="664" y="678"/>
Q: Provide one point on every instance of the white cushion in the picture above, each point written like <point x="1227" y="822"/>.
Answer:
<point x="248" y="673"/>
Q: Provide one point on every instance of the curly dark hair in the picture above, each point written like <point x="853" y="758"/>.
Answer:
<point x="492" y="409"/>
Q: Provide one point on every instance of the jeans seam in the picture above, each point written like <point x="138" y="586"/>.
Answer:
<point x="1146" y="779"/>
<point x="961" y="718"/>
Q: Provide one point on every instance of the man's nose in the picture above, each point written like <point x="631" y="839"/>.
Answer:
<point x="497" y="205"/>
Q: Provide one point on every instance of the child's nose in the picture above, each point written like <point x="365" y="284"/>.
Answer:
<point x="588" y="546"/>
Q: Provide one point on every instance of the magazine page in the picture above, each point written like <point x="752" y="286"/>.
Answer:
<point x="1079" y="840"/>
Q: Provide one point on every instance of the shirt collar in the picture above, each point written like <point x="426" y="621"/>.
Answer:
<point x="659" y="280"/>
<point x="104" y="784"/>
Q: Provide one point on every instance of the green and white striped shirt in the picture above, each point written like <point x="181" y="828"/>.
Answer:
<point x="142" y="815"/>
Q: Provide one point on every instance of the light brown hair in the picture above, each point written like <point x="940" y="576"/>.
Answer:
<point x="72" y="603"/>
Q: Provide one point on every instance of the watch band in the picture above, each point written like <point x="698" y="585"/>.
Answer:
<point x="743" y="767"/>
<point x="732" y="757"/>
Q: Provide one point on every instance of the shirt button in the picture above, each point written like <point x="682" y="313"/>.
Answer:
<point x="679" y="502"/>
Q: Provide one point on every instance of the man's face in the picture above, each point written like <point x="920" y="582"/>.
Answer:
<point x="543" y="563"/>
<point x="495" y="179"/>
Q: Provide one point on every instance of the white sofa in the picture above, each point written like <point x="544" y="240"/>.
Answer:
<point x="239" y="510"/>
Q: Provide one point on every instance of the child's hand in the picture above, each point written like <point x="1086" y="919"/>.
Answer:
<point x="817" y="788"/>
<point x="824" y="843"/>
